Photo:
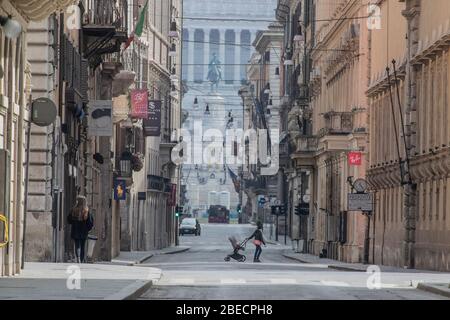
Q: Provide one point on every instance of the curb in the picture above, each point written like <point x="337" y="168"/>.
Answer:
<point x="329" y="266"/>
<point x="433" y="289"/>
<point x="132" y="291"/>
<point x="296" y="259"/>
<point x="177" y="251"/>
<point x="344" y="268"/>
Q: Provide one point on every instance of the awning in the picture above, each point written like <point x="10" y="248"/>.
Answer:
<point x="36" y="10"/>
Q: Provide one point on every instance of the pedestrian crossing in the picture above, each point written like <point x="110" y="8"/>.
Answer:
<point x="174" y="281"/>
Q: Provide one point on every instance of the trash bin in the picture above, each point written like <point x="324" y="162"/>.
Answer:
<point x="92" y="240"/>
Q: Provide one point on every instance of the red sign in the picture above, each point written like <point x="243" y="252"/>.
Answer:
<point x="354" y="158"/>
<point x="139" y="104"/>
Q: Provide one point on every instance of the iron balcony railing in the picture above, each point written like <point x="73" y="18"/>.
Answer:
<point x="107" y="13"/>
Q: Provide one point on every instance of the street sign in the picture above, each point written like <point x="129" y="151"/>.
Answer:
<point x="43" y="112"/>
<point x="360" y="202"/>
<point x="355" y="158"/>
<point x="277" y="202"/>
<point x="360" y="185"/>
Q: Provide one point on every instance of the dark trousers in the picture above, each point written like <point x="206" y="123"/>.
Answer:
<point x="80" y="245"/>
<point x="257" y="252"/>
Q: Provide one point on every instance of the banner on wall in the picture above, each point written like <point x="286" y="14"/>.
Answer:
<point x="100" y="118"/>
<point x="139" y="103"/>
<point x="152" y="124"/>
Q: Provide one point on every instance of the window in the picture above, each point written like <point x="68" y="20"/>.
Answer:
<point x="199" y="37"/>
<point x="230" y="40"/>
<point x="245" y="52"/>
<point x="185" y="53"/>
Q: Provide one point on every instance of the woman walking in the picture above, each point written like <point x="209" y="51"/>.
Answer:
<point x="82" y="222"/>
<point x="259" y="239"/>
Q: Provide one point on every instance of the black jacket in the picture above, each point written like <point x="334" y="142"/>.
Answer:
<point x="258" y="236"/>
<point x="80" y="229"/>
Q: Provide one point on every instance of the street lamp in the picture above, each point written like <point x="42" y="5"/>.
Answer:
<point x="195" y="103"/>
<point x="11" y="27"/>
<point x="207" y="112"/>
<point x="173" y="33"/>
<point x="173" y="50"/>
<point x="277" y="71"/>
<point x="125" y="164"/>
<point x="173" y="75"/>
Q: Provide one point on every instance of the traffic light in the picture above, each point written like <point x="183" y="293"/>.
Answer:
<point x="239" y="208"/>
<point x="302" y="209"/>
<point x="178" y="211"/>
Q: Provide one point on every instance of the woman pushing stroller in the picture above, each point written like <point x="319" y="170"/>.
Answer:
<point x="259" y="239"/>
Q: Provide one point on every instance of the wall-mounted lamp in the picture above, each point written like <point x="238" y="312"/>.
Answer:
<point x="173" y="33"/>
<point x="11" y="27"/>
<point x="173" y="50"/>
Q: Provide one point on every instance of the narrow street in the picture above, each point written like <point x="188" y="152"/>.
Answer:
<point x="201" y="273"/>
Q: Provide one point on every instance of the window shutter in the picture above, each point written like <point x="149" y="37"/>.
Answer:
<point x="84" y="86"/>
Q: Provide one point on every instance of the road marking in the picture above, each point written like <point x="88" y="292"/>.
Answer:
<point x="182" y="281"/>
<point x="283" y="281"/>
<point x="335" y="283"/>
<point x="233" y="281"/>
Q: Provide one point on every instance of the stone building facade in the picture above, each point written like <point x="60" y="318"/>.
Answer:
<point x="412" y="209"/>
<point x="15" y="90"/>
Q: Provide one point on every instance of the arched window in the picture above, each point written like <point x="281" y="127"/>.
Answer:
<point x="185" y="53"/>
<point x="199" y="38"/>
<point x="245" y="52"/>
<point x="230" y="40"/>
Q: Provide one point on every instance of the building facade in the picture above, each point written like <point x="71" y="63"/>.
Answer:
<point x="225" y="31"/>
<point x="262" y="112"/>
<point x="410" y="179"/>
<point x="324" y="90"/>
<point x="15" y="92"/>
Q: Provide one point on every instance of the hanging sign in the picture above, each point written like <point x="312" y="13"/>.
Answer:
<point x="139" y="104"/>
<point x="100" y="118"/>
<point x="43" y="112"/>
<point x="354" y="158"/>
<point x="120" y="190"/>
<point x="152" y="125"/>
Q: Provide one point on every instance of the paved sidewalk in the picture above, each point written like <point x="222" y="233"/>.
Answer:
<point x="52" y="281"/>
<point x="131" y="258"/>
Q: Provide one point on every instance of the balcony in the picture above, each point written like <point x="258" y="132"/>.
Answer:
<point x="104" y="28"/>
<point x="337" y="123"/>
<point x="306" y="144"/>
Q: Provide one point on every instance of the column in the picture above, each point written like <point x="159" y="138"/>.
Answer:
<point x="190" y="62"/>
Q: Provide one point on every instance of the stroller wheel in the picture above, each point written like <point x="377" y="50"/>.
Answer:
<point x="227" y="259"/>
<point x="243" y="259"/>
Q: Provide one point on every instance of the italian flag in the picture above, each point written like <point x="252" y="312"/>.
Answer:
<point x="139" y="27"/>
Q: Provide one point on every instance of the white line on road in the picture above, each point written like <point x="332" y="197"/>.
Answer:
<point x="233" y="281"/>
<point x="182" y="281"/>
<point x="335" y="283"/>
<point x="283" y="281"/>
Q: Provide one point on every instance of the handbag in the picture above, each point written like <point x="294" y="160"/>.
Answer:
<point x="257" y="242"/>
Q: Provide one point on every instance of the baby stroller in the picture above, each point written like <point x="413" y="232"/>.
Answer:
<point x="236" y="248"/>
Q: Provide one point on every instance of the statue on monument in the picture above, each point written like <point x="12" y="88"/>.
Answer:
<point x="214" y="72"/>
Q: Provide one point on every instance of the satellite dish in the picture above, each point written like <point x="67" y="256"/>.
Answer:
<point x="43" y="112"/>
